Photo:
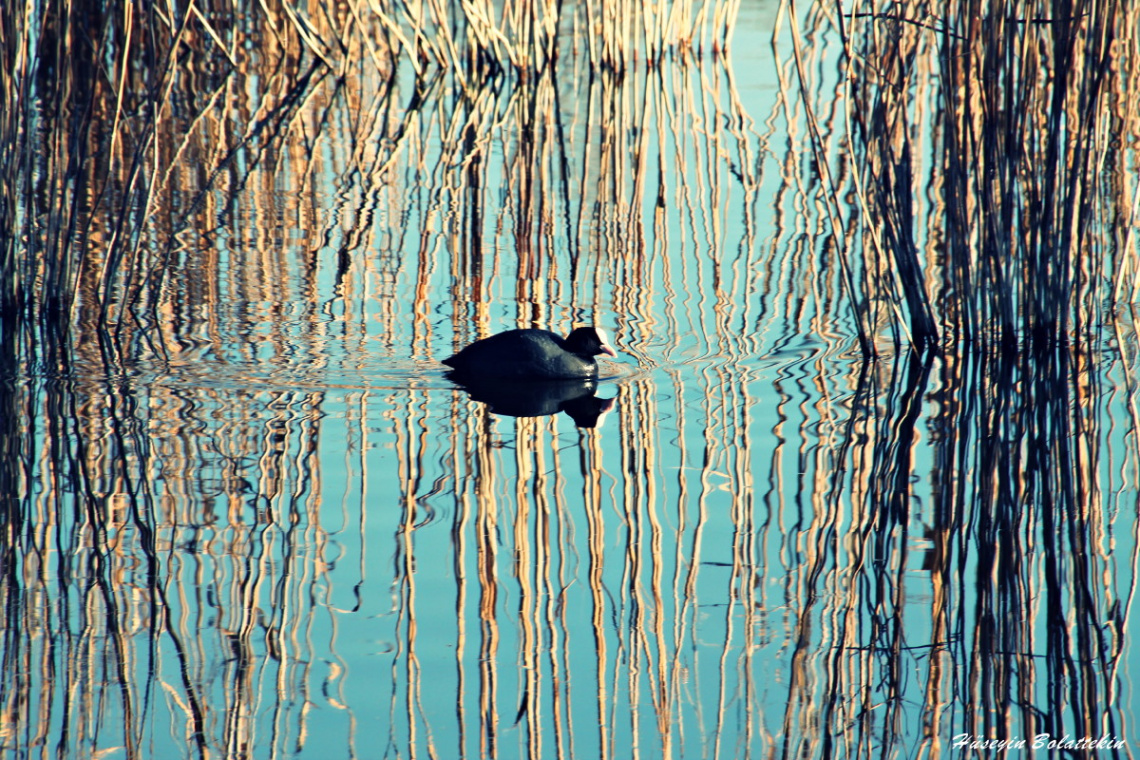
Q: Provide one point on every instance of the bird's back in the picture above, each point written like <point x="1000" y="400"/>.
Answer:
<point x="522" y="354"/>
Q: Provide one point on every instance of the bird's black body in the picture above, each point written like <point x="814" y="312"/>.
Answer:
<point x="532" y="355"/>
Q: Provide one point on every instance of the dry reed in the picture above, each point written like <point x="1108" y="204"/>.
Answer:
<point x="235" y="558"/>
<point x="1025" y="103"/>
<point x="110" y="260"/>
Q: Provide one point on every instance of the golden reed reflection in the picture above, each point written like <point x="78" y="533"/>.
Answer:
<point x="212" y="548"/>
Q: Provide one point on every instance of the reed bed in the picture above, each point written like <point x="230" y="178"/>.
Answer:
<point x="978" y="173"/>
<point x="1019" y="226"/>
<point x="477" y="39"/>
<point x="135" y="85"/>
<point x="188" y="565"/>
<point x="212" y="521"/>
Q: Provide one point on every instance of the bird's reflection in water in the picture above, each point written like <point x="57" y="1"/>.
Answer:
<point x="537" y="398"/>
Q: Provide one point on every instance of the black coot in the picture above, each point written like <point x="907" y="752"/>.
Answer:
<point x="533" y="355"/>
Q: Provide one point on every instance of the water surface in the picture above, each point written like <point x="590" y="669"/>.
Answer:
<point x="253" y="517"/>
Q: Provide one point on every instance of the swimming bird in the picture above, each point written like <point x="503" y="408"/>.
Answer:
<point x="533" y="355"/>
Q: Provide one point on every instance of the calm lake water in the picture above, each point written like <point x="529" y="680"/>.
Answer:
<point x="254" y="518"/>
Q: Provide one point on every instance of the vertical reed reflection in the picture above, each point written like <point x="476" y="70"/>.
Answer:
<point x="244" y="514"/>
<point x="1010" y="266"/>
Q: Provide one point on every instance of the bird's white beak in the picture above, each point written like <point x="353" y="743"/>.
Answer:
<point x="607" y="349"/>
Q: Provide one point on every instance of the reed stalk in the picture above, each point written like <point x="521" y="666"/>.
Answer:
<point x="1008" y="251"/>
<point x="1022" y="102"/>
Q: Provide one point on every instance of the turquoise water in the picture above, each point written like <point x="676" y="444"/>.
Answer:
<point x="275" y="528"/>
